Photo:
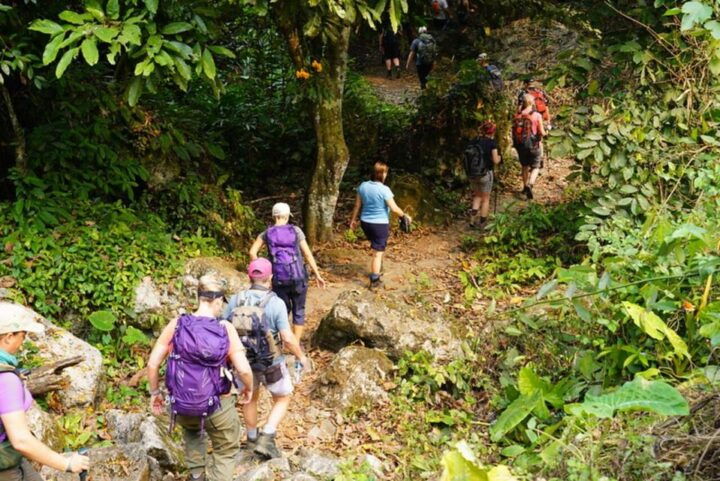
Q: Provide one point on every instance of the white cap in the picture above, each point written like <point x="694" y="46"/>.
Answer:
<point x="17" y="318"/>
<point x="482" y="56"/>
<point x="422" y="29"/>
<point x="280" y="209"/>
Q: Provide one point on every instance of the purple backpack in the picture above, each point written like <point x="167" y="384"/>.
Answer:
<point x="287" y="262"/>
<point x="195" y="373"/>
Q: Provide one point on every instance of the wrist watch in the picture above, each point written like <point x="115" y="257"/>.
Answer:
<point x="155" y="392"/>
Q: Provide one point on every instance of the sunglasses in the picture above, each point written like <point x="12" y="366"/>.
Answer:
<point x="212" y="295"/>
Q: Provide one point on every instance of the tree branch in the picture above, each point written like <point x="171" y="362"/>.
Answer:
<point x="20" y="146"/>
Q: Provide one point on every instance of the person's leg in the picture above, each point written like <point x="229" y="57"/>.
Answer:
<point x="250" y="411"/>
<point x="533" y="176"/>
<point x="195" y="445"/>
<point x="28" y="472"/>
<point x="376" y="263"/>
<point x="14" y="474"/>
<point x="277" y="414"/>
<point x="525" y="175"/>
<point x="299" y="298"/>
<point x="223" y="429"/>
<point x="484" y="206"/>
<point x="388" y="66"/>
<point x="281" y="391"/>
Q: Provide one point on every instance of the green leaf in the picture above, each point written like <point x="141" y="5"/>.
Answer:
<point x="208" y="64"/>
<point x="225" y="52"/>
<point x="713" y="26"/>
<point x="103" y="320"/>
<point x="694" y="13"/>
<point x="130" y="34"/>
<point x="134" y="91"/>
<point x="152" y="6"/>
<point x="94" y="8"/>
<point x="74" y="17"/>
<point x="216" y="151"/>
<point x="134" y="336"/>
<point x="46" y="26"/>
<point x="518" y="410"/>
<point x="51" y="49"/>
<point x="654" y="327"/>
<point x="529" y="382"/>
<point x="512" y="451"/>
<point x="183" y="68"/>
<point x="113" y="9"/>
<point x="637" y="395"/>
<point x="176" y="27"/>
<point x="461" y="464"/>
<point x="106" y="34"/>
<point x="65" y="60"/>
<point x="90" y="51"/>
<point x="714" y="66"/>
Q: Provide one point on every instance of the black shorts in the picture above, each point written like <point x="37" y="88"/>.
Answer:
<point x="391" y="51"/>
<point x="530" y="158"/>
<point x="377" y="234"/>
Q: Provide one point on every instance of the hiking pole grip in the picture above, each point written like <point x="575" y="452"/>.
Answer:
<point x="83" y="474"/>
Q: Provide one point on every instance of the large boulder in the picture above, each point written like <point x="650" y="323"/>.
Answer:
<point x="354" y="378"/>
<point x="127" y="462"/>
<point x="319" y="465"/>
<point x="150" y="432"/>
<point x="233" y="279"/>
<point x="84" y="379"/>
<point x="387" y="323"/>
<point x="417" y="198"/>
<point x="45" y="427"/>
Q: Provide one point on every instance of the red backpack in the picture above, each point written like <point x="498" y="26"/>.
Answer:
<point x="435" y="7"/>
<point x="540" y="103"/>
<point x="522" y="134"/>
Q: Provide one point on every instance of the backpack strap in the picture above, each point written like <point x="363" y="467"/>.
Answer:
<point x="266" y="299"/>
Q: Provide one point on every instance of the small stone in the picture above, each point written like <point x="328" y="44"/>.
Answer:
<point x="301" y="477"/>
<point x="259" y="473"/>
<point x="320" y="466"/>
<point x="374" y="463"/>
<point x="123" y="427"/>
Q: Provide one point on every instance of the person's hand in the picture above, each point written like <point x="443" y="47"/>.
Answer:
<point x="305" y="363"/>
<point x="157" y="404"/>
<point x="548" y="127"/>
<point x="79" y="463"/>
<point x="353" y="224"/>
<point x="409" y="219"/>
<point x="320" y="281"/>
<point x="245" y="395"/>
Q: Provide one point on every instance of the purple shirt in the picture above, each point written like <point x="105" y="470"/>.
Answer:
<point x="15" y="396"/>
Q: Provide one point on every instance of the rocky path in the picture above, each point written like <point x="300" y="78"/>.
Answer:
<point x="398" y="91"/>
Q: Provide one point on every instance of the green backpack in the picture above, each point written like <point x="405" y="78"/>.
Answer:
<point x="9" y="457"/>
<point x="427" y="49"/>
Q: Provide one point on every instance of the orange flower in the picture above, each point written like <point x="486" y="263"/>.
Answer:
<point x="688" y="306"/>
<point x="302" y="74"/>
<point x="317" y="66"/>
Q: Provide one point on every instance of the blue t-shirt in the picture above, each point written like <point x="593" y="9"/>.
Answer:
<point x="374" y="196"/>
<point x="275" y="312"/>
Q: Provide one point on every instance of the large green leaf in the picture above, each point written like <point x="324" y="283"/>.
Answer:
<point x="693" y="13"/>
<point x="113" y="9"/>
<point x="176" y="27"/>
<point x="654" y="327"/>
<point x="51" y="49"/>
<point x="151" y="5"/>
<point x="638" y="395"/>
<point x="134" y="91"/>
<point x="460" y="464"/>
<point x="103" y="320"/>
<point x="208" y="64"/>
<point x="74" y="17"/>
<point x="106" y="34"/>
<point x="65" y="60"/>
<point x="518" y="410"/>
<point x="90" y="51"/>
<point x="46" y="26"/>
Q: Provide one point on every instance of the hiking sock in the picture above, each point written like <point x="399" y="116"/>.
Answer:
<point x="252" y="434"/>
<point x="269" y="429"/>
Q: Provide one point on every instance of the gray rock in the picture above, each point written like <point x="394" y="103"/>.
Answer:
<point x="354" y="378"/>
<point x="321" y="466"/>
<point x="126" y="462"/>
<point x="150" y="432"/>
<point x="147" y="297"/>
<point x="374" y="463"/>
<point x="44" y="426"/>
<point x="232" y="278"/>
<point x="123" y="427"/>
<point x="324" y="431"/>
<point x="262" y="472"/>
<point x="84" y="379"/>
<point x="387" y="323"/>
<point x="300" y="477"/>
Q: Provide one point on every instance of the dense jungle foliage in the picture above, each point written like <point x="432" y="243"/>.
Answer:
<point x="136" y="135"/>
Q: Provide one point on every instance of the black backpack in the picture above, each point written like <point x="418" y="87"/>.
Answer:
<point x="475" y="164"/>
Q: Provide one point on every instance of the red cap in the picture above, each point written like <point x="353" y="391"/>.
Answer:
<point x="260" y="268"/>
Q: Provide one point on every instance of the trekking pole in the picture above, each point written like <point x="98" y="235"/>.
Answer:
<point x="83" y="474"/>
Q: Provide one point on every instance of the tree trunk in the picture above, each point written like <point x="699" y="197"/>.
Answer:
<point x="49" y="378"/>
<point x="18" y="132"/>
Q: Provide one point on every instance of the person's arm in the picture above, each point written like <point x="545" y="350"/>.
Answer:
<point x="355" y="212"/>
<point x="541" y="127"/>
<point x="495" y="157"/>
<point x="236" y="354"/>
<point x="394" y="207"/>
<point x="305" y="248"/>
<point x="380" y="41"/>
<point x="291" y="344"/>
<point x="255" y="248"/>
<point x="157" y="357"/>
<point x="18" y="432"/>
<point x="411" y="57"/>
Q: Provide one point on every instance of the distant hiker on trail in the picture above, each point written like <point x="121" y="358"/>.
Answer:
<point x="527" y="134"/>
<point x="424" y="51"/>
<point x="493" y="71"/>
<point x="200" y="348"/>
<point x="18" y="445"/>
<point x="261" y="320"/>
<point x="439" y="13"/>
<point x="286" y="247"/>
<point x="390" y="49"/>
<point x="481" y="156"/>
<point x="540" y="98"/>
<point x="373" y="204"/>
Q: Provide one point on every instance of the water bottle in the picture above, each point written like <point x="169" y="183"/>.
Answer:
<point x="298" y="371"/>
<point x="83" y="474"/>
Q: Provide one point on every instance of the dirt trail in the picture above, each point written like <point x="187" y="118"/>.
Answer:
<point x="398" y="91"/>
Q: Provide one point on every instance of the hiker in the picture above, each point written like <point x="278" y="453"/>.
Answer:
<point x="527" y="134"/>
<point x="540" y="98"/>
<point x="424" y="51"/>
<point x="481" y="156"/>
<point x="286" y="247"/>
<point x="18" y="446"/>
<point x="493" y="71"/>
<point x="390" y="48"/>
<point x="375" y="200"/>
<point x="199" y="348"/>
<point x="261" y="319"/>
<point x="439" y="13"/>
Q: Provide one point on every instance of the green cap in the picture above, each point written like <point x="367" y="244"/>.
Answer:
<point x="17" y="318"/>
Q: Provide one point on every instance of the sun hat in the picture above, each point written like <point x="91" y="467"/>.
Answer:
<point x="260" y="268"/>
<point x="280" y="209"/>
<point x="17" y="318"/>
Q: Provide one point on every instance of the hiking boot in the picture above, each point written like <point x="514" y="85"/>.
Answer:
<point x="376" y="284"/>
<point x="389" y="74"/>
<point x="397" y="72"/>
<point x="266" y="446"/>
<point x="529" y="192"/>
<point x="251" y="444"/>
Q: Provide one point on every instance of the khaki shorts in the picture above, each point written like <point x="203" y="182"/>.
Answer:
<point x="482" y="184"/>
